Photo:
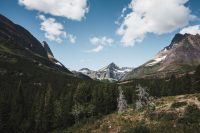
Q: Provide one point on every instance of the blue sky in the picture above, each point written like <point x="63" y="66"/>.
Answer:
<point x="134" y="45"/>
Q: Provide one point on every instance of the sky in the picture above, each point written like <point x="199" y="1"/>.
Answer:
<point x="94" y="33"/>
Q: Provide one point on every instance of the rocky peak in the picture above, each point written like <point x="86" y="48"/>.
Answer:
<point x="177" y="38"/>
<point x="110" y="72"/>
<point x="47" y="49"/>
<point x="182" y="39"/>
<point x="112" y="66"/>
<point x="182" y="55"/>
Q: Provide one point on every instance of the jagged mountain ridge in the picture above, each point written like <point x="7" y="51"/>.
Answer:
<point x="110" y="72"/>
<point x="181" y="56"/>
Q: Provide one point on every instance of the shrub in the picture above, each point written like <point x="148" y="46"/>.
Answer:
<point x="178" y="104"/>
<point x="198" y="98"/>
<point x="191" y="115"/>
<point x="138" y="129"/>
<point x="164" y="116"/>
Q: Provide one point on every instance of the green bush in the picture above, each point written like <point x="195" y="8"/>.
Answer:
<point x="164" y="116"/>
<point x="138" y="129"/>
<point x="178" y="104"/>
<point x="198" y="98"/>
<point x="191" y="115"/>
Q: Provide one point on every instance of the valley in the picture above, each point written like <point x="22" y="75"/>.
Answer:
<point x="38" y="94"/>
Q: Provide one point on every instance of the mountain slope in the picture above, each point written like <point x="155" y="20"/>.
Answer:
<point x="18" y="37"/>
<point x="36" y="94"/>
<point x="110" y="72"/>
<point x="18" y="41"/>
<point x="181" y="56"/>
<point x="176" y="114"/>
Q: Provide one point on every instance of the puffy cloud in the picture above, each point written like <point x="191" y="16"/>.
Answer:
<point x="71" y="9"/>
<point x="95" y="50"/>
<point x="71" y="38"/>
<point x="54" y="31"/>
<point x="153" y="16"/>
<point x="101" y="40"/>
<point x="195" y="29"/>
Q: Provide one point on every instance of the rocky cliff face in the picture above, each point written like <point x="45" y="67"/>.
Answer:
<point x="47" y="49"/>
<point x="50" y="55"/>
<point x="110" y="72"/>
<point x="182" y="55"/>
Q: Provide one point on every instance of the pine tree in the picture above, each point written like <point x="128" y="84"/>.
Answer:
<point x="197" y="78"/>
<point x="76" y="112"/>
<point x="122" y="104"/>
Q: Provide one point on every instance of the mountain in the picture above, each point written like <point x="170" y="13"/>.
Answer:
<point x="81" y="75"/>
<point x="110" y="72"/>
<point x="51" y="56"/>
<point x="181" y="56"/>
<point x="20" y="42"/>
<point x="48" y="50"/>
<point x="37" y="95"/>
<point x="18" y="37"/>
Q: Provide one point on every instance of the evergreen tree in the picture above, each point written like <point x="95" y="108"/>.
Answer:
<point x="197" y="79"/>
<point x="4" y="115"/>
<point x="187" y="83"/>
<point x="172" y="88"/>
<point x="77" y="110"/>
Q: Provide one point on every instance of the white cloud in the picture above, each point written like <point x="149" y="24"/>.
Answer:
<point x="54" y="31"/>
<point x="153" y="16"/>
<point x="71" y="38"/>
<point x="191" y="30"/>
<point x="101" y="40"/>
<point x="95" y="50"/>
<point x="117" y="22"/>
<point x="71" y="9"/>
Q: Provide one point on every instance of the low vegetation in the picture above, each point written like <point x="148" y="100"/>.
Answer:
<point x="164" y="119"/>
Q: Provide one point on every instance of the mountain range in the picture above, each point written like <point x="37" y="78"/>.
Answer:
<point x="38" y="94"/>
<point x="180" y="57"/>
<point x="110" y="72"/>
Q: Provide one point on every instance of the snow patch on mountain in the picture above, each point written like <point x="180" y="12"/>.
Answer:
<point x="156" y="60"/>
<point x="110" y="72"/>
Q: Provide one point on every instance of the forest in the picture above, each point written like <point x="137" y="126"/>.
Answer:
<point x="42" y="101"/>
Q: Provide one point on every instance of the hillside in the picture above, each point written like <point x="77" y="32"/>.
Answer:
<point x="181" y="56"/>
<point x="37" y="95"/>
<point x="175" y="114"/>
